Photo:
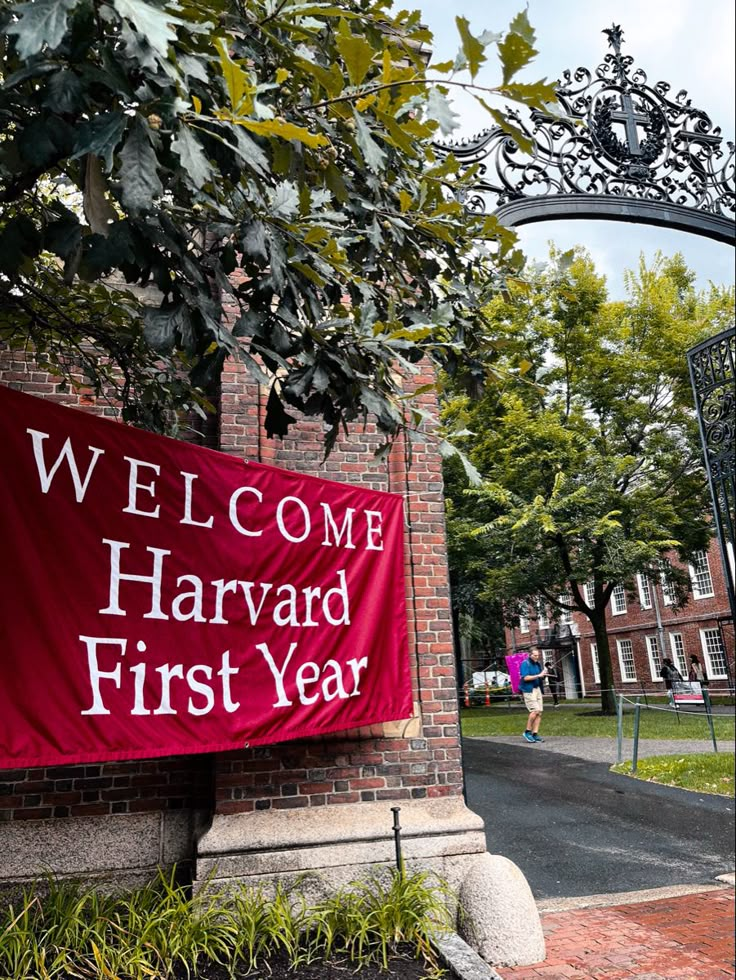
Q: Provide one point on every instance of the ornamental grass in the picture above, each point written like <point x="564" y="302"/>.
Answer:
<point x="60" y="930"/>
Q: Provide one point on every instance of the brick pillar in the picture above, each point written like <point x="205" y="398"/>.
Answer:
<point x="356" y="775"/>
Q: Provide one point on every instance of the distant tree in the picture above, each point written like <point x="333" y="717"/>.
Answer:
<point x="273" y="156"/>
<point x="477" y="619"/>
<point x="590" y="460"/>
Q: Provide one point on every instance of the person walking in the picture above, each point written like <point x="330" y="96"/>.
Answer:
<point x="669" y="673"/>
<point x="696" y="672"/>
<point x="553" y="682"/>
<point x="532" y="674"/>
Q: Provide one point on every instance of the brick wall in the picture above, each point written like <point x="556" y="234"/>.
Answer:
<point x="396" y="761"/>
<point x="19" y="370"/>
<point x="107" y="788"/>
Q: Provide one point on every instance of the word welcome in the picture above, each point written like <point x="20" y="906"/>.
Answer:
<point x="292" y="516"/>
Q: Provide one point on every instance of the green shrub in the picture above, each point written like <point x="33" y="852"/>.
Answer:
<point x="60" y="929"/>
<point x="370" y="919"/>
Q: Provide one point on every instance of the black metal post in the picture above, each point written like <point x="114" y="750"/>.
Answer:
<point x="635" y="753"/>
<point x="619" y="726"/>
<point x="709" y="714"/>
<point x="397" y="839"/>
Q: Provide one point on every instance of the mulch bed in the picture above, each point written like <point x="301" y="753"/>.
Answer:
<point x="402" y="967"/>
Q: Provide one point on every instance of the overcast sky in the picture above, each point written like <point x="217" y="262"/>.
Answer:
<point x="688" y="43"/>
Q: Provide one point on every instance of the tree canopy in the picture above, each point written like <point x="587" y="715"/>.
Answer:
<point x="273" y="156"/>
<point x="590" y="458"/>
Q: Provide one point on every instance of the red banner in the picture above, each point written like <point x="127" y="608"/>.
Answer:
<point x="159" y="599"/>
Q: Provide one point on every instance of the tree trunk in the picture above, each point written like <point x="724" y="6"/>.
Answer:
<point x="605" y="669"/>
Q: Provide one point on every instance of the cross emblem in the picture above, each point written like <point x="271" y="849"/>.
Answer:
<point x="630" y="118"/>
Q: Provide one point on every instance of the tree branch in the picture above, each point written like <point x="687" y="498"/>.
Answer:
<point x="422" y="82"/>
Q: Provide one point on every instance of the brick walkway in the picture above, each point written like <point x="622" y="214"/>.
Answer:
<point x="690" y="937"/>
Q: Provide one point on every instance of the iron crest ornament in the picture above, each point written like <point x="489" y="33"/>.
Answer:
<point x="619" y="149"/>
<point x="620" y="107"/>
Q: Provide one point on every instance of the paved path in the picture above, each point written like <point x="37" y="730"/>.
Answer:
<point x="605" y="749"/>
<point x="688" y="938"/>
<point x="576" y="829"/>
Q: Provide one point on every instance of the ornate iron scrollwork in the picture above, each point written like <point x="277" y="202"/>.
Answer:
<point x="713" y="379"/>
<point x="713" y="376"/>
<point x="618" y="141"/>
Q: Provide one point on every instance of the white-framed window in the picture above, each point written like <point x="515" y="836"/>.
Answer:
<point x="655" y="657"/>
<point x="589" y="593"/>
<point x="713" y="653"/>
<point x="626" y="661"/>
<point x="668" y="591"/>
<point x="618" y="600"/>
<point x="595" y="662"/>
<point x="700" y="576"/>
<point x="565" y="614"/>
<point x="523" y="624"/>
<point x="645" y="593"/>
<point x="677" y="647"/>
<point x="542" y="616"/>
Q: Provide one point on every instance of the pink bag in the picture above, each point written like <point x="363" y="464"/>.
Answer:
<point x="513" y="664"/>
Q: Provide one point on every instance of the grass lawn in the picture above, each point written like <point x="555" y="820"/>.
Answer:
<point x="585" y="722"/>
<point x="703" y="772"/>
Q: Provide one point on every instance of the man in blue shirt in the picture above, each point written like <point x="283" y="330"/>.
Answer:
<point x="532" y="675"/>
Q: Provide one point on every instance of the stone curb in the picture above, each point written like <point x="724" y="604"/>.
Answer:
<point x="545" y="906"/>
<point x="462" y="960"/>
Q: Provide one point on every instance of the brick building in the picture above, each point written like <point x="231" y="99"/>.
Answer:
<point x="643" y="627"/>
<point x="319" y="804"/>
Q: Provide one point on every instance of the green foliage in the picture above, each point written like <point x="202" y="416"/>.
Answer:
<point x="517" y="48"/>
<point x="701" y="772"/>
<point x="275" y="158"/>
<point x="61" y="929"/>
<point x="589" y="452"/>
<point x="371" y="919"/>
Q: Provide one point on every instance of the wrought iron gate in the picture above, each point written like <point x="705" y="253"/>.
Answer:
<point x="713" y="375"/>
